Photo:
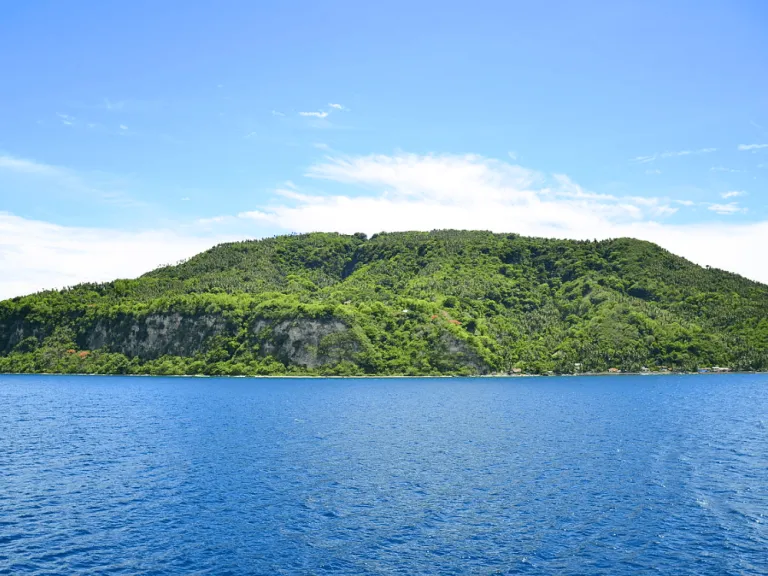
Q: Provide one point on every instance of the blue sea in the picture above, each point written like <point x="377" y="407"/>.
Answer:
<point x="574" y="475"/>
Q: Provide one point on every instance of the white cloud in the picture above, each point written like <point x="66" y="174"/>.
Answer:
<point x="512" y="155"/>
<point x="66" y="119"/>
<point x="656" y="171"/>
<point x="26" y="166"/>
<point x="385" y="193"/>
<point x="37" y="255"/>
<point x="726" y="209"/>
<point x="671" y="154"/>
<point x="123" y="127"/>
<point x="213" y="220"/>
<point x="79" y="185"/>
<point x="744" y="147"/>
<point x="337" y="106"/>
<point x="733" y="194"/>
<point x="314" y="114"/>
<point x="687" y="152"/>
<point x="109" y="105"/>
<point x="276" y="113"/>
<point x="251" y="135"/>
<point x="412" y="192"/>
<point x="722" y="169"/>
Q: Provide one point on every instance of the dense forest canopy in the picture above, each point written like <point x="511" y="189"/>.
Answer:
<point x="442" y="302"/>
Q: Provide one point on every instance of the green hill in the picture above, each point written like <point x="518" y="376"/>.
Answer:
<point x="444" y="302"/>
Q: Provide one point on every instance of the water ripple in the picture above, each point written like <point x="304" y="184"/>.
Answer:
<point x="163" y="476"/>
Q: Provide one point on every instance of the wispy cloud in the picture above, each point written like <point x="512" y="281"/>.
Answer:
<point x="653" y="171"/>
<point x="314" y="114"/>
<point x="723" y="169"/>
<point x="250" y="135"/>
<point x="38" y="255"/>
<point x="726" y="209"/>
<point x="322" y="114"/>
<point x="113" y="129"/>
<point x="687" y="152"/>
<point x="733" y="194"/>
<point x="118" y="105"/>
<point x="671" y="154"/>
<point x="276" y="113"/>
<point x="76" y="184"/>
<point x="26" y="166"/>
<point x="66" y="119"/>
<point x="455" y="192"/>
<point x="746" y="147"/>
<point x="110" y="105"/>
<point x="212" y="220"/>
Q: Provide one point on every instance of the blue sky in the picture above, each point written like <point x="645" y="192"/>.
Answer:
<point x="137" y="133"/>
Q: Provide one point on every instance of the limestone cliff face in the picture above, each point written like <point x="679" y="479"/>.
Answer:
<point x="296" y="341"/>
<point x="306" y="342"/>
<point x="456" y="350"/>
<point x="14" y="330"/>
<point x="154" y="335"/>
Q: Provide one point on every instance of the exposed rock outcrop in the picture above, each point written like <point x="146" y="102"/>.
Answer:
<point x="154" y="335"/>
<point x="306" y="342"/>
<point x="15" y="330"/>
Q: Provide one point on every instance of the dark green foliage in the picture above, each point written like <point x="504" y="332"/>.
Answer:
<point x="444" y="302"/>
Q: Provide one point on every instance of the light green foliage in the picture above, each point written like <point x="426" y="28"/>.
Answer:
<point x="444" y="302"/>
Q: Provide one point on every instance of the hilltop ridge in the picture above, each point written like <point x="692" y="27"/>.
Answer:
<point x="441" y="302"/>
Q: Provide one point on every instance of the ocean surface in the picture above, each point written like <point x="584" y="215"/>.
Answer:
<point x="575" y="475"/>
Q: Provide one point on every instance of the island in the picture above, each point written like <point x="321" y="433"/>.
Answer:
<point x="410" y="303"/>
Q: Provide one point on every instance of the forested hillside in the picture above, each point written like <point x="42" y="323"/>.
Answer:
<point x="444" y="302"/>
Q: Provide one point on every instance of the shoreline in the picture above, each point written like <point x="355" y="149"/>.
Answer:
<point x="389" y="376"/>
